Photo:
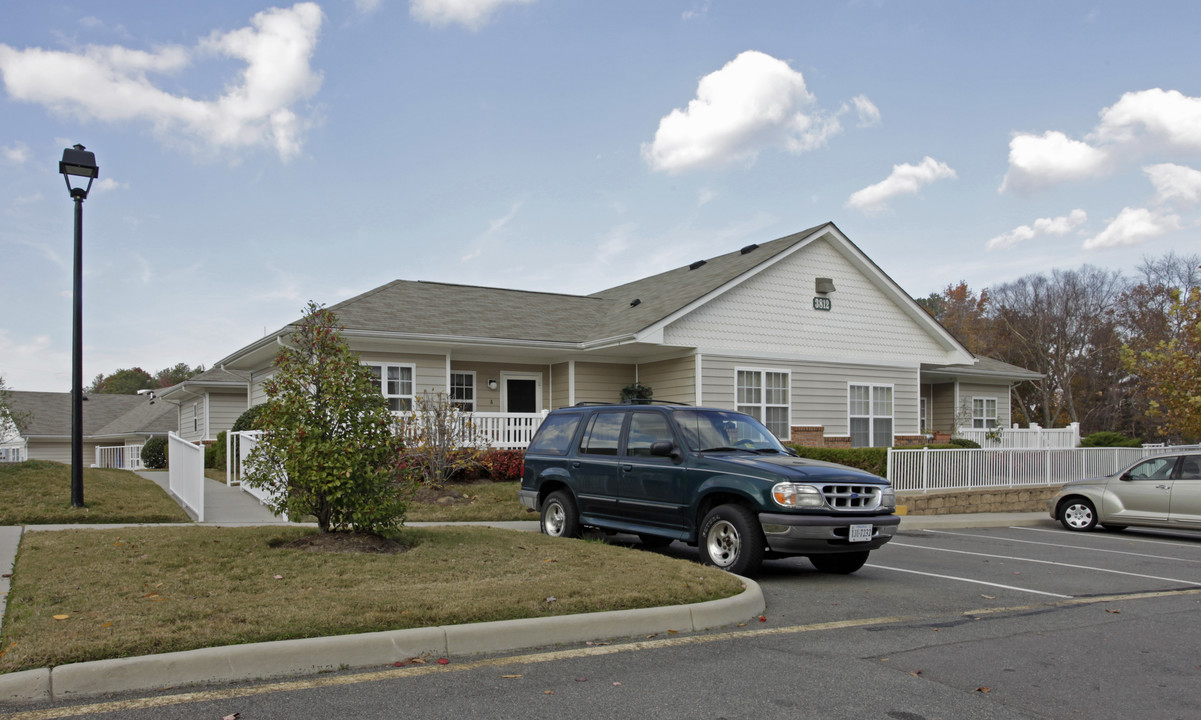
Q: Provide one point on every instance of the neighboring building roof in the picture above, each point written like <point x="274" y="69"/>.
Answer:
<point x="213" y="379"/>
<point x="48" y="415"/>
<point x="985" y="368"/>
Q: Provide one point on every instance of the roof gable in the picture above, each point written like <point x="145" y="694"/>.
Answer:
<point x="48" y="414"/>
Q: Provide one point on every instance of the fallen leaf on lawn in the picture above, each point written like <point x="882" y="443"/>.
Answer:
<point x="511" y="676"/>
<point x="443" y="661"/>
<point x="61" y="617"/>
<point x="149" y="595"/>
<point x="552" y="599"/>
<point x="550" y="560"/>
<point x="279" y="577"/>
<point x="1115" y="612"/>
<point x="10" y="647"/>
<point x="983" y="689"/>
<point x="616" y="684"/>
<point x="916" y="673"/>
<point x="548" y="692"/>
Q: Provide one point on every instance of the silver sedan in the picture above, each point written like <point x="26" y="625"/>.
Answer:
<point x="1159" y="491"/>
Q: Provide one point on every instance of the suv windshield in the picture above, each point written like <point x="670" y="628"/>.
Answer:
<point x="710" y="430"/>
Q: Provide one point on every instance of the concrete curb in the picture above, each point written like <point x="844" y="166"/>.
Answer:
<point x="286" y="658"/>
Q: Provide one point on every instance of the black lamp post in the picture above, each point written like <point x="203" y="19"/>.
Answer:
<point x="79" y="162"/>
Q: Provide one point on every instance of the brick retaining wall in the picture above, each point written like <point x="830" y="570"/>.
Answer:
<point x="947" y="502"/>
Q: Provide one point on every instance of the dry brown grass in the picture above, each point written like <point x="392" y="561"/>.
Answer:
<point x="136" y="591"/>
<point x="38" y="492"/>
<point x="483" y="501"/>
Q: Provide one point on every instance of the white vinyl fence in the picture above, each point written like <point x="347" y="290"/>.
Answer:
<point x="186" y="473"/>
<point x="1024" y="438"/>
<point x="925" y="469"/>
<point x="237" y="450"/>
<point x="119" y="457"/>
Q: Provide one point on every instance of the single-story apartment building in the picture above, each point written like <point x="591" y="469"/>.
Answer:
<point x="804" y="332"/>
<point x="118" y="424"/>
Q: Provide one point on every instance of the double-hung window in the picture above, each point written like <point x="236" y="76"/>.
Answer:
<point x="870" y="410"/>
<point x="984" y="412"/>
<point x="763" y="394"/>
<point x="394" y="382"/>
<point x="462" y="390"/>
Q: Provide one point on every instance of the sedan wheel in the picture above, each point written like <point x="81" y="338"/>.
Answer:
<point x="1078" y="514"/>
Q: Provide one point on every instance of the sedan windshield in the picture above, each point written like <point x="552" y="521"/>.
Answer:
<point x="719" y="430"/>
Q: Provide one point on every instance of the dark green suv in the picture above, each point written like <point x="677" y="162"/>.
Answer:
<point x="709" y="477"/>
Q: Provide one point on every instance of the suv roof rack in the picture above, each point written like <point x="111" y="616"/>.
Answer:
<point x="646" y="401"/>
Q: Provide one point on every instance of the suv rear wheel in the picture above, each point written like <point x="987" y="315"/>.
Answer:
<point x="732" y="540"/>
<point x="559" y="515"/>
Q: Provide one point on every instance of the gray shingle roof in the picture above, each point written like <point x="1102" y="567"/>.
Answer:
<point x="48" y="414"/>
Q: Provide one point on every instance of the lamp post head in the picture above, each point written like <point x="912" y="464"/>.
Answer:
<point x="79" y="162"/>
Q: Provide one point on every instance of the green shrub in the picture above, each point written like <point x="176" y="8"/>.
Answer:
<point x="249" y="420"/>
<point x="873" y="460"/>
<point x="154" y="453"/>
<point x="1109" y="438"/>
<point x="964" y="443"/>
<point x="214" y="454"/>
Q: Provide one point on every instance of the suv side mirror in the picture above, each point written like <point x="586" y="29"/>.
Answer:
<point x="665" y="448"/>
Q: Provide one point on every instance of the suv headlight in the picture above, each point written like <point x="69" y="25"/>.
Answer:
<point x="791" y="495"/>
<point x="888" y="499"/>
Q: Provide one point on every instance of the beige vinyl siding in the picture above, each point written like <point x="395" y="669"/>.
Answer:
<point x="818" y="390"/>
<point x="224" y="409"/>
<point x="967" y="391"/>
<point x="60" y="451"/>
<point x="601" y="382"/>
<point x="672" y="380"/>
<point x="560" y="385"/>
<point x="258" y="394"/>
<point x="191" y="420"/>
<point x="488" y="400"/>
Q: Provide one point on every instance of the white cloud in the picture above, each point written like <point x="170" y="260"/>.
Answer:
<point x="1133" y="226"/>
<point x="472" y="14"/>
<point x="869" y="114"/>
<point x="1138" y="123"/>
<point x="367" y="6"/>
<point x="1043" y="226"/>
<point x="494" y="228"/>
<point x="1036" y="161"/>
<point x="1166" y="117"/>
<point x="15" y="154"/>
<point x="754" y="103"/>
<point x="904" y="180"/>
<point x="112" y="83"/>
<point x="107" y="184"/>
<point x="698" y="10"/>
<point x="1175" y="184"/>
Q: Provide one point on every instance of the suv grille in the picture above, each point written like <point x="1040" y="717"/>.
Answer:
<point x="852" y="497"/>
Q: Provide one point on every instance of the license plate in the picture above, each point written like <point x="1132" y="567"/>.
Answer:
<point x="860" y="533"/>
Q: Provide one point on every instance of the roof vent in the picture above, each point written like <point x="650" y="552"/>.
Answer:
<point x="635" y="302"/>
<point x="697" y="264"/>
<point x="747" y="249"/>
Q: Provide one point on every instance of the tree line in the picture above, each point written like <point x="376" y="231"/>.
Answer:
<point x="128" y="381"/>
<point x="1117" y="352"/>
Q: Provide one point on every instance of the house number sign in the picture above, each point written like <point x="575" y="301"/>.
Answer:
<point x="821" y="303"/>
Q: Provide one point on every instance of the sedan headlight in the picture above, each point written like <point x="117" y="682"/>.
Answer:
<point x="791" y="495"/>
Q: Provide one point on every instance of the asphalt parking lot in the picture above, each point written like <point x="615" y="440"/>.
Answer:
<point x="997" y="622"/>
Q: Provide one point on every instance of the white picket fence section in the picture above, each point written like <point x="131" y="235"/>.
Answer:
<point x="1024" y="438"/>
<point x="507" y="431"/>
<point x="119" y="457"/>
<point x="923" y="469"/>
<point x="186" y="473"/>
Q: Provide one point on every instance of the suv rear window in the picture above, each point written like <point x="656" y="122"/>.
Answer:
<point x="555" y="434"/>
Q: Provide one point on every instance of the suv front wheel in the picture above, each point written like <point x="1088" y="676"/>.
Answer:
<point x="559" y="515"/>
<point x="732" y="540"/>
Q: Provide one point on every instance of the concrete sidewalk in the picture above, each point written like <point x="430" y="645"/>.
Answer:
<point x="226" y="506"/>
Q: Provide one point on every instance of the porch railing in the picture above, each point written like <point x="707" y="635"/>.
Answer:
<point x="120" y="457"/>
<point x="925" y="469"/>
<point x="1023" y="438"/>
<point x="507" y="431"/>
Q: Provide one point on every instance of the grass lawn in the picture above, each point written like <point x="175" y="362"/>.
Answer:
<point x="475" y="501"/>
<point x="38" y="492"/>
<point x="90" y="594"/>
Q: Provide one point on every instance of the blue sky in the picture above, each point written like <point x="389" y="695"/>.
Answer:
<point x="254" y="156"/>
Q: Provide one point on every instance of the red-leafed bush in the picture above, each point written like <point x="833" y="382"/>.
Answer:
<point x="503" y="465"/>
